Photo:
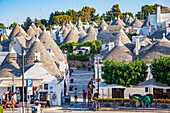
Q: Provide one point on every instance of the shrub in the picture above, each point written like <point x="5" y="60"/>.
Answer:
<point x="1" y="109"/>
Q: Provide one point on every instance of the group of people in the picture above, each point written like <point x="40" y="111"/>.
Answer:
<point x="9" y="99"/>
<point x="85" y="95"/>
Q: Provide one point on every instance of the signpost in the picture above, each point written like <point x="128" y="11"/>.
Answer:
<point x="29" y="90"/>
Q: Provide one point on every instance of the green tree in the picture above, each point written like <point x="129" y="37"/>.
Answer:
<point x="2" y="26"/>
<point x="145" y="10"/>
<point x="44" y="22"/>
<point x="27" y="23"/>
<point x="124" y="14"/>
<point x="160" y="69"/>
<point x="124" y="74"/>
<point x="13" y="25"/>
<point x="61" y="19"/>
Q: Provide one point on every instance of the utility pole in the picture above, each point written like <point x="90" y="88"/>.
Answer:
<point x="98" y="75"/>
<point x="23" y="81"/>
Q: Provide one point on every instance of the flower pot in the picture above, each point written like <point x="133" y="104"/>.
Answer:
<point x="70" y="89"/>
<point x="71" y="81"/>
<point x="89" y="69"/>
<point x="84" y="68"/>
<point x="78" y="68"/>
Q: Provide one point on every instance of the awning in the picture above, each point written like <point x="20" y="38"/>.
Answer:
<point x="18" y="82"/>
<point x="152" y="83"/>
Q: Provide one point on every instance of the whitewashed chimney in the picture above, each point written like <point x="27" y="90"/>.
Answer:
<point x="37" y="56"/>
<point x="111" y="45"/>
<point x="137" y="46"/>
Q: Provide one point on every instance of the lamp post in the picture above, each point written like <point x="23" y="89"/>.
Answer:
<point x="22" y="80"/>
<point x="98" y="62"/>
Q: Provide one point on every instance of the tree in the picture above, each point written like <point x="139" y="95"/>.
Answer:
<point x="124" y="74"/>
<point x="27" y="23"/>
<point x="12" y="25"/>
<point x="2" y="26"/>
<point x="145" y="10"/>
<point x="160" y="69"/>
<point x="124" y="14"/>
<point x="61" y="19"/>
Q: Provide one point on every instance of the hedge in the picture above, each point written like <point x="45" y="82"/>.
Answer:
<point x="79" y="58"/>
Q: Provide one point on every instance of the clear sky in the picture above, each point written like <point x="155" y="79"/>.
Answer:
<point x="10" y="10"/>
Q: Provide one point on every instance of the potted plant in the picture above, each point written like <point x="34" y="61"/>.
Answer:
<point x="71" y="80"/>
<point x="88" y="64"/>
<point x="89" y="68"/>
<point x="84" y="66"/>
<point x="71" y="88"/>
<point x="78" y="67"/>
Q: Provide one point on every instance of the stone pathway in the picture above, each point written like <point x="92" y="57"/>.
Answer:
<point x="81" y="79"/>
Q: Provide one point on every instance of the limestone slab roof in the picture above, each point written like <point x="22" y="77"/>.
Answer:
<point x="49" y="43"/>
<point x="119" y="53"/>
<point x="45" y="58"/>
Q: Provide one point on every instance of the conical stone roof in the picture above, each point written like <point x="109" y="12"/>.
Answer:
<point x="91" y="30"/>
<point x="124" y="38"/>
<point x="72" y="36"/>
<point x="136" y="24"/>
<point x="105" y="37"/>
<point x="62" y="28"/>
<point x="130" y="20"/>
<point x="125" y="20"/>
<point x="31" y="32"/>
<point x="15" y="30"/>
<point x="65" y="32"/>
<point x="119" y="53"/>
<point x="35" y="29"/>
<point x="82" y="32"/>
<point x="94" y="24"/>
<point x="45" y="58"/>
<point x="102" y="24"/>
<point x="49" y="43"/>
<point x="161" y="48"/>
<point x="9" y="66"/>
<point x="79" y="24"/>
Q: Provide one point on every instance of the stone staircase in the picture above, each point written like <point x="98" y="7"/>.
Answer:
<point x="81" y="80"/>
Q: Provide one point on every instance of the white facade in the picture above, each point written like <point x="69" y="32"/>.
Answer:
<point x="54" y="86"/>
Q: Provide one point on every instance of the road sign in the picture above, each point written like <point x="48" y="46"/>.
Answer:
<point x="29" y="91"/>
<point x="29" y="82"/>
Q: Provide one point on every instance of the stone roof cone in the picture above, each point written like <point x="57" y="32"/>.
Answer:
<point x="119" y="53"/>
<point x="45" y="58"/>
<point x="49" y="43"/>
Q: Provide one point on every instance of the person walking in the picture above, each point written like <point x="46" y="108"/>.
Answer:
<point x="89" y="97"/>
<point x="48" y="100"/>
<point x="75" y="95"/>
<point x="84" y="97"/>
<point x="4" y="100"/>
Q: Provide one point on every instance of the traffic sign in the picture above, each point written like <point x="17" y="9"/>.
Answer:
<point x="29" y="91"/>
<point x="29" y="82"/>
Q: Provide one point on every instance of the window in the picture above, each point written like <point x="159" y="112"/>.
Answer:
<point x="46" y="86"/>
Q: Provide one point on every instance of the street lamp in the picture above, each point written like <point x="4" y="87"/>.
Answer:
<point x="22" y="80"/>
<point x="99" y="61"/>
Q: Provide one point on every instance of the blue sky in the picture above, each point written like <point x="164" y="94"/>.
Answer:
<point x="10" y="10"/>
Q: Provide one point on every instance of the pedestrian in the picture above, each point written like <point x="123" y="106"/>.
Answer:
<point x="75" y="95"/>
<point x="4" y="100"/>
<point x="89" y="97"/>
<point x="84" y="97"/>
<point x="48" y="100"/>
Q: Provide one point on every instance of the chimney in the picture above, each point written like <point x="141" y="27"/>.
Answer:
<point x="158" y="14"/>
<point x="37" y="57"/>
<point x="111" y="45"/>
<point x="137" y="46"/>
